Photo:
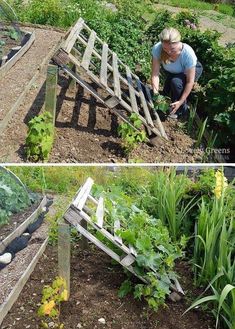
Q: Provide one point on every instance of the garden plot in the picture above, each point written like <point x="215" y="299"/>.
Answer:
<point x="159" y="210"/>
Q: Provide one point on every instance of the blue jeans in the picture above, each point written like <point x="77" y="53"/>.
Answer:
<point x="175" y="84"/>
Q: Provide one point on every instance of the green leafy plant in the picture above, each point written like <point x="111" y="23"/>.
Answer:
<point x="201" y="132"/>
<point x="161" y="103"/>
<point x="131" y="137"/>
<point x="52" y="297"/>
<point x="13" y="197"/>
<point x="151" y="240"/>
<point x="40" y="137"/>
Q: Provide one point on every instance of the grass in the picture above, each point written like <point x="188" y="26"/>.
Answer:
<point x="199" y="5"/>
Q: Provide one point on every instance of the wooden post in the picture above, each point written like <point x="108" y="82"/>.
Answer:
<point x="64" y="252"/>
<point x="51" y="90"/>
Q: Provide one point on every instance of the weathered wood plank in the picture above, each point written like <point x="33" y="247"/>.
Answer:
<point x="104" y="65"/>
<point x="127" y="260"/>
<point x="82" y="195"/>
<point x="84" y="84"/>
<point x="74" y="216"/>
<point x="100" y="213"/>
<point x="159" y="123"/>
<point x="132" y="250"/>
<point x="64" y="251"/>
<point x="116" y="78"/>
<point x="100" y="245"/>
<point x="131" y="91"/>
<point x="13" y="296"/>
<point x="88" y="52"/>
<point x="97" y="242"/>
<point x="144" y="105"/>
<point x="69" y="42"/>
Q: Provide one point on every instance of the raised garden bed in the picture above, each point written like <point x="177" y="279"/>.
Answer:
<point x="13" y="45"/>
<point x="14" y="276"/>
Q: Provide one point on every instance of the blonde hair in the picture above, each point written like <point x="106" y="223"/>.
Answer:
<point x="170" y="35"/>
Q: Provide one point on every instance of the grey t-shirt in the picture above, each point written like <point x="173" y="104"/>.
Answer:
<point x="186" y="60"/>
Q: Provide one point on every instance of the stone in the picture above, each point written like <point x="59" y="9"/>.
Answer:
<point x="102" y="321"/>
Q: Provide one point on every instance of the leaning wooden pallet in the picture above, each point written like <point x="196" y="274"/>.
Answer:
<point x="87" y="215"/>
<point x="93" y="58"/>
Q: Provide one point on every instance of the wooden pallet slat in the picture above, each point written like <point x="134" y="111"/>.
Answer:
<point x="131" y="90"/>
<point x="100" y="213"/>
<point x="116" y="77"/>
<point x="70" y="40"/>
<point x="104" y="65"/>
<point x="144" y="105"/>
<point x="89" y="50"/>
<point x="82" y="195"/>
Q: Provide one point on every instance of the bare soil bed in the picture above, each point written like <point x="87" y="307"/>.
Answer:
<point x="94" y="295"/>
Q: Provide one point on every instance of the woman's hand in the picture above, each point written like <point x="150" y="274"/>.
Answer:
<point x="175" y="106"/>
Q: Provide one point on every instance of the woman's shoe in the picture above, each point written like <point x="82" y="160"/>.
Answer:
<point x="173" y="116"/>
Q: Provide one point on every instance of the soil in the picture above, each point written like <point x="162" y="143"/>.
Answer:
<point x="94" y="295"/>
<point x="15" y="220"/>
<point x="87" y="132"/>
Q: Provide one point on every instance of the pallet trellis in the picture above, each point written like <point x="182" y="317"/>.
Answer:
<point x="90" y="55"/>
<point x="87" y="215"/>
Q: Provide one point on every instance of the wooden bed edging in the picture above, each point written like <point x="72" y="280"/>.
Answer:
<point x="29" y="38"/>
<point x="22" y="227"/>
<point x="14" y="294"/>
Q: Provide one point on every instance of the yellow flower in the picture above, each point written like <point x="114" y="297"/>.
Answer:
<point x="220" y="185"/>
<point x="48" y="307"/>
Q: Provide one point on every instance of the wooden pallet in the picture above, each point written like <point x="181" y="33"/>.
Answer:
<point x="86" y="213"/>
<point x="90" y="55"/>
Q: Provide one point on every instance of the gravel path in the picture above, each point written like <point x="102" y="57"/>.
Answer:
<point x="228" y="33"/>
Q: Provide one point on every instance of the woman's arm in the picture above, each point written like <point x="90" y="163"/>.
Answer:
<point x="155" y="75"/>
<point x="190" y="76"/>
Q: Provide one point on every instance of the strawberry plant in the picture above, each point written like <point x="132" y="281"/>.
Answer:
<point x="161" y="103"/>
<point x="150" y="238"/>
<point x="40" y="137"/>
<point x="52" y="297"/>
<point x="131" y="137"/>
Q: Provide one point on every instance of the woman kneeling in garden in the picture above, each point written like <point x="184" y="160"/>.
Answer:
<point x="181" y="67"/>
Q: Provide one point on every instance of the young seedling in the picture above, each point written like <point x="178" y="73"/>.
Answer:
<point x="161" y="103"/>
<point x="131" y="137"/>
